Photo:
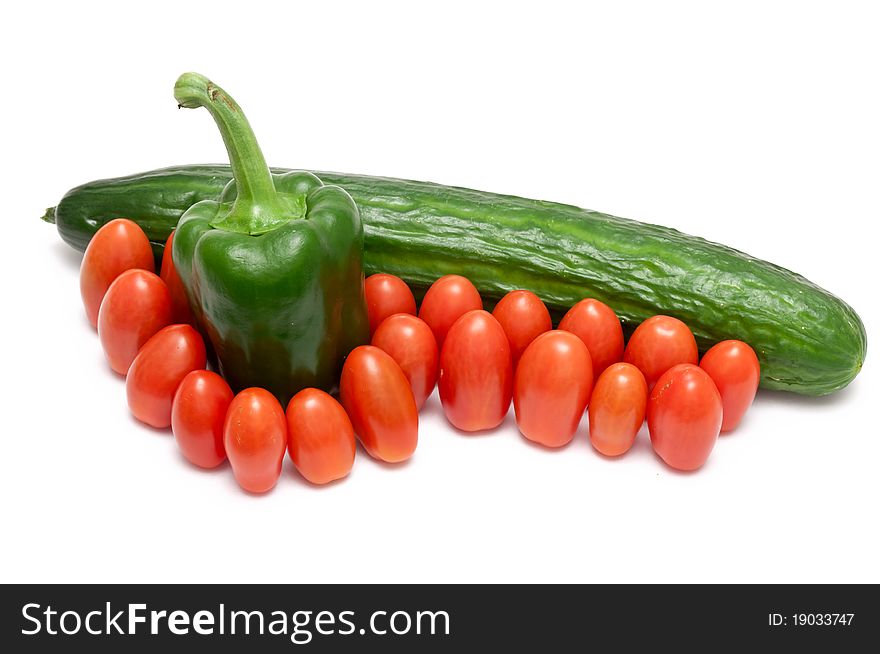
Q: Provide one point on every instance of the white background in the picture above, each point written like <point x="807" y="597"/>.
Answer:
<point x="755" y="125"/>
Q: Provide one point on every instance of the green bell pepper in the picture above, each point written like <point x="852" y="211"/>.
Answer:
<point x="273" y="269"/>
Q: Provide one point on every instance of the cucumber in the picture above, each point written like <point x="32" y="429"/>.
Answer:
<point x="807" y="340"/>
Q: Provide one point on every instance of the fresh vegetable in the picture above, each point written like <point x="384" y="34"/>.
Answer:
<point x="387" y="295"/>
<point x="734" y="368"/>
<point x="684" y="416"/>
<point x="198" y="412"/>
<point x="378" y="399"/>
<point x="596" y="324"/>
<point x="136" y="306"/>
<point x="320" y="438"/>
<point x="658" y="344"/>
<point x="807" y="340"/>
<point x="273" y="268"/>
<point x="255" y="439"/>
<point x="118" y="246"/>
<point x="476" y="373"/>
<point x="523" y="317"/>
<point x="552" y="387"/>
<point x="617" y="408"/>
<point x="179" y="303"/>
<point x="449" y="298"/>
<point x="159" y="368"/>
<point x="410" y="342"/>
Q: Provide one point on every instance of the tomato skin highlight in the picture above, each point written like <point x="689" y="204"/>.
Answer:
<point x="387" y="295"/>
<point x="448" y="299"/>
<point x="658" y="344"/>
<point x="552" y="387"/>
<point x="523" y="317"/>
<point x="734" y="367"/>
<point x="320" y="438"/>
<point x="136" y="306"/>
<point x="180" y="310"/>
<point x="198" y="412"/>
<point x="476" y="373"/>
<point x="596" y="324"/>
<point x="160" y="366"/>
<point x="380" y="404"/>
<point x="410" y="342"/>
<point x="255" y="439"/>
<point x="684" y="416"/>
<point x="617" y="408"/>
<point x="118" y="246"/>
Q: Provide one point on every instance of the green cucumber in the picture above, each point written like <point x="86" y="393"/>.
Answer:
<point x="807" y="340"/>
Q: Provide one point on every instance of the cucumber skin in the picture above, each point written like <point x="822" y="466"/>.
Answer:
<point x="807" y="340"/>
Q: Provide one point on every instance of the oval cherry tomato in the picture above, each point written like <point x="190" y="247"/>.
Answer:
<point x="378" y="399"/>
<point x="136" y="306"/>
<point x="179" y="304"/>
<point x="617" y="408"/>
<point x="198" y="412"/>
<point x="658" y="344"/>
<point x="551" y="388"/>
<point x="411" y="344"/>
<point x="255" y="438"/>
<point x="734" y="368"/>
<point x="448" y="299"/>
<point x="599" y="328"/>
<point x="523" y="317"/>
<point x="320" y="438"/>
<point x="476" y="372"/>
<point x="118" y="246"/>
<point x="157" y="370"/>
<point x="684" y="416"/>
<point x="387" y="295"/>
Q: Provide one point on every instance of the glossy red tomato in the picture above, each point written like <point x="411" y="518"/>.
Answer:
<point x="179" y="304"/>
<point x="684" y="416"/>
<point x="599" y="328"/>
<point x="658" y="344"/>
<point x="448" y="299"/>
<point x="118" y="246"/>
<point x="157" y="370"/>
<point x="523" y="317"/>
<point x="476" y="373"/>
<point x="320" y="438"/>
<point x="387" y="295"/>
<point x="734" y="368"/>
<point x="198" y="412"/>
<point x="255" y="438"/>
<point x="378" y="399"/>
<point x="551" y="388"/>
<point x="617" y="408"/>
<point x="411" y="344"/>
<point x="136" y="306"/>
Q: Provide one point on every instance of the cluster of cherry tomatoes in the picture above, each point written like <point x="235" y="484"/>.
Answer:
<point x="480" y="361"/>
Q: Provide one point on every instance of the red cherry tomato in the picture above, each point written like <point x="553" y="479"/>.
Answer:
<point x="179" y="304"/>
<point x="734" y="368"/>
<point x="617" y="408"/>
<point x="387" y="295"/>
<point x="320" y="438"/>
<point x="255" y="439"/>
<point x="551" y="388"/>
<point x="118" y="246"/>
<point x="411" y="344"/>
<point x="476" y="372"/>
<point x="198" y="412"/>
<point x="158" y="369"/>
<point x="378" y="399"/>
<point x="599" y="328"/>
<point x="136" y="306"/>
<point x="523" y="317"/>
<point x="448" y="299"/>
<point x="658" y="344"/>
<point x="684" y="416"/>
